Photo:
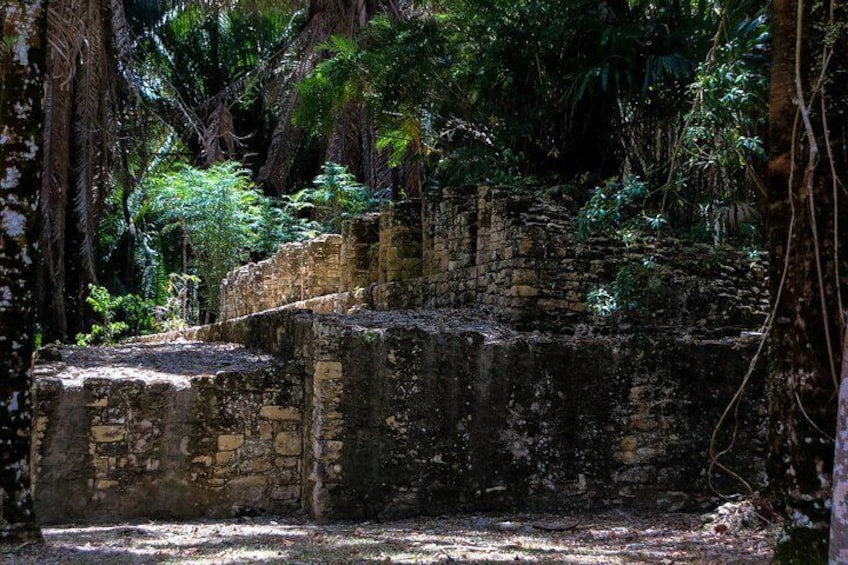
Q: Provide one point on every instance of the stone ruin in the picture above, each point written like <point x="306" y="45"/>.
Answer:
<point x="436" y="357"/>
<point x="507" y="253"/>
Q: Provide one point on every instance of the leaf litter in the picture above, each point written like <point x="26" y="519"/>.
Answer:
<point x="604" y="538"/>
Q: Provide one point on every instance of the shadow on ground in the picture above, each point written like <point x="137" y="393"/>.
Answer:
<point x="606" y="539"/>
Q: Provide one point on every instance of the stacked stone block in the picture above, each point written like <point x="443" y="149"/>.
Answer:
<point x="400" y="257"/>
<point x="419" y="413"/>
<point x="250" y="441"/>
<point x="119" y="447"/>
<point x="506" y="250"/>
<point x="359" y="252"/>
<point x="298" y="271"/>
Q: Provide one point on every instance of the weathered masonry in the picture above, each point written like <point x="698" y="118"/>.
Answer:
<point x="518" y="258"/>
<point x="386" y="415"/>
<point x="180" y="430"/>
<point x="494" y="389"/>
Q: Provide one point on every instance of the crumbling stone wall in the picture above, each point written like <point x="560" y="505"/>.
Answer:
<point x="443" y="419"/>
<point x="522" y="258"/>
<point x="298" y="271"/>
<point x="359" y="251"/>
<point x="384" y="413"/>
<point x="507" y="251"/>
<point x="169" y="431"/>
<point x="436" y="412"/>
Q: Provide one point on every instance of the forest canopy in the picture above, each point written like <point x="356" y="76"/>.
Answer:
<point x="578" y="100"/>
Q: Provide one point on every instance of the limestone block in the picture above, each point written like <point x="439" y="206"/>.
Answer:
<point x="332" y="450"/>
<point x="643" y="423"/>
<point x="523" y="291"/>
<point x="577" y="307"/>
<point x="280" y="413"/>
<point x="266" y="431"/>
<point x="628" y="457"/>
<point x="204" y="460"/>
<point x="288" y="443"/>
<point x="629" y="443"/>
<point x="101" y="466"/>
<point x="103" y="484"/>
<point x="230" y="442"/>
<point x="108" y="433"/>
<point x="225" y="457"/>
<point x="327" y="370"/>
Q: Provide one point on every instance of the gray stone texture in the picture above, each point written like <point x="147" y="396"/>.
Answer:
<point x="496" y="388"/>
<point x="518" y="257"/>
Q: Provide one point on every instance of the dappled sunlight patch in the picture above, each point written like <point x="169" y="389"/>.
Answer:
<point x="589" y="540"/>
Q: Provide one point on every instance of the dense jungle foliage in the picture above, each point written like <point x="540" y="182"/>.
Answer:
<point x="237" y="126"/>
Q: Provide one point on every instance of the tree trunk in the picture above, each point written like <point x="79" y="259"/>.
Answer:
<point x="81" y="101"/>
<point x="839" y="520"/>
<point x="806" y="217"/>
<point x="325" y="18"/>
<point x="21" y="118"/>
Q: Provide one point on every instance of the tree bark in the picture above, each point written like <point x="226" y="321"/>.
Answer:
<point x="839" y="519"/>
<point x="325" y="18"/>
<point x="807" y="142"/>
<point x="21" y="119"/>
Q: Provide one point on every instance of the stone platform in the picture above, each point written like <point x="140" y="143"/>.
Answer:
<point x="383" y="414"/>
<point x="172" y="430"/>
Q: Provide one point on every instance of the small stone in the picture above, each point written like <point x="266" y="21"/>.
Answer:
<point x="523" y="291"/>
<point x="230" y="442"/>
<point x="224" y="457"/>
<point x="103" y="484"/>
<point x="628" y="457"/>
<point x="628" y="443"/>
<point x="287" y="443"/>
<point x="266" y="431"/>
<point x="279" y="413"/>
<point x="106" y="434"/>
<point x="327" y="370"/>
<point x="204" y="460"/>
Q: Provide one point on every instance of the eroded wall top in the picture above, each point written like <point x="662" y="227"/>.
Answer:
<point x="519" y="258"/>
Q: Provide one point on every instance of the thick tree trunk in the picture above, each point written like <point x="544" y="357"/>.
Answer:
<point x="807" y="121"/>
<point x="345" y="146"/>
<point x="839" y="519"/>
<point x="21" y="118"/>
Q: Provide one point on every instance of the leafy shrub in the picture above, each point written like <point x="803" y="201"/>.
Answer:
<point x="181" y="307"/>
<point x="335" y="195"/>
<point x="218" y="213"/>
<point x="280" y="222"/>
<point x="121" y="316"/>
<point x="637" y="292"/>
<point x="618" y="207"/>
<point x="222" y="219"/>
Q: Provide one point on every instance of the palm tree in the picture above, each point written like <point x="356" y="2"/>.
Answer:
<point x="21" y="76"/>
<point x="86" y="42"/>
<point x="353" y="141"/>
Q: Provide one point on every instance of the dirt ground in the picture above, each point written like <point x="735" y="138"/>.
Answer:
<point x="611" y="538"/>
